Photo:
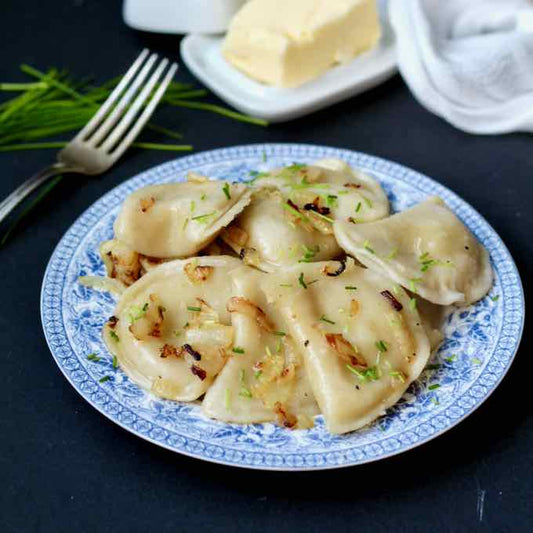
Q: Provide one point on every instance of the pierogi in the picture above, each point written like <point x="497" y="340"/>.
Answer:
<point x="329" y="306"/>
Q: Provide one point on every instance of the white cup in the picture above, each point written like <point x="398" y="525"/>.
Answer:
<point x="180" y="16"/>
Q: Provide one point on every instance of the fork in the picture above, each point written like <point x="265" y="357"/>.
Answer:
<point x="110" y="131"/>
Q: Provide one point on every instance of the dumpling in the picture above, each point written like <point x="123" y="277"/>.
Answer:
<point x="264" y="379"/>
<point x="178" y="219"/>
<point x="363" y="344"/>
<point x="171" y="330"/>
<point x="426" y="249"/>
<point x="266" y="235"/>
<point x="325" y="191"/>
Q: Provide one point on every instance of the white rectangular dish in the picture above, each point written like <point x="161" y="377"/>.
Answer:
<point x="202" y="55"/>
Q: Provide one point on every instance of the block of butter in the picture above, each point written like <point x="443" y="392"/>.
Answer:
<point x="286" y="43"/>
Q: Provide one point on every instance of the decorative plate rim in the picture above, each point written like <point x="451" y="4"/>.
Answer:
<point x="380" y="165"/>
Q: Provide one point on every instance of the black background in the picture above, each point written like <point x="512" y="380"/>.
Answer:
<point x="64" y="467"/>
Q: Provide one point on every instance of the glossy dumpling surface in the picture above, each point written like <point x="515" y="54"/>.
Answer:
<point x="265" y="378"/>
<point x="178" y="219"/>
<point x="271" y="238"/>
<point x="362" y="342"/>
<point x="171" y="330"/>
<point x="427" y="249"/>
<point x="330" y="188"/>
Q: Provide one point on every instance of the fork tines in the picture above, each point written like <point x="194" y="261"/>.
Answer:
<point x="127" y="109"/>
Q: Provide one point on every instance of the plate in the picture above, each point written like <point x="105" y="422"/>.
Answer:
<point x="202" y="55"/>
<point x="480" y="344"/>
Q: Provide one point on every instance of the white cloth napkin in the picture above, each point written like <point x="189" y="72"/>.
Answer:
<point x="469" y="61"/>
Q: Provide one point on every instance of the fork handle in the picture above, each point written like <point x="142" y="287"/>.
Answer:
<point x="15" y="198"/>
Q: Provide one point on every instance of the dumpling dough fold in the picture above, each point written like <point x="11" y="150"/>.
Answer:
<point x="178" y="219"/>
<point x="171" y="329"/>
<point x="362" y="342"/>
<point x="241" y="392"/>
<point x="426" y="249"/>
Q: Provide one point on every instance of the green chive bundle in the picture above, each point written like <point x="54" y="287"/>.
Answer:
<point x="55" y="104"/>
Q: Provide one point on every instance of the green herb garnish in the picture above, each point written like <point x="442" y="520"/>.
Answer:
<point x="451" y="359"/>
<point x="194" y="308"/>
<point x="308" y="253"/>
<point x="358" y="207"/>
<point x="114" y="336"/>
<point x="412" y="304"/>
<point x="93" y="357"/>
<point x="324" y="217"/>
<point x="285" y="284"/>
<point x="104" y="379"/>
<point x="392" y="254"/>
<point x="476" y="361"/>
<point x="434" y="387"/>
<point x="225" y="189"/>
<point x="332" y="201"/>
<point x="368" y="202"/>
<point x="279" y="333"/>
<point x="301" y="280"/>
<point x="367" y="247"/>
<point x="202" y="219"/>
<point x="350" y="287"/>
<point x="115" y="362"/>
<point x="369" y="374"/>
<point x="237" y="349"/>
<point x="398" y="375"/>
<point x="327" y="320"/>
<point x="495" y="298"/>
<point x="382" y="346"/>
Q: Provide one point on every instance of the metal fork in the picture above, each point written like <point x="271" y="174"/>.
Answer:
<point x="111" y="130"/>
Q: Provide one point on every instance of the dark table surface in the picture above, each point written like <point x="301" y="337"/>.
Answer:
<point x="64" y="467"/>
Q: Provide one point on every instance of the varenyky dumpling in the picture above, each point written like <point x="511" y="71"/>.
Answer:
<point x="178" y="219"/>
<point x="325" y="191"/>
<point x="363" y="344"/>
<point x="171" y="330"/>
<point x="427" y="249"/>
<point x="264" y="379"/>
<point x="266" y="235"/>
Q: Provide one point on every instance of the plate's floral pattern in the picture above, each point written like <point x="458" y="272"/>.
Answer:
<point x="480" y="342"/>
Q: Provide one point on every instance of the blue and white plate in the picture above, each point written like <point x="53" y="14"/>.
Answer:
<point x="481" y="340"/>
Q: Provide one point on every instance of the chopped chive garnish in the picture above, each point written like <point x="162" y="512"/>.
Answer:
<point x="203" y="218"/>
<point x="257" y="374"/>
<point x="185" y="222"/>
<point x="451" y="359"/>
<point x="327" y="219"/>
<point x="245" y="393"/>
<point x="268" y="352"/>
<point x="392" y="254"/>
<point x="398" y="375"/>
<point x="104" y="379"/>
<point x="495" y="298"/>
<point x="368" y="202"/>
<point x="358" y="207"/>
<point x="193" y="206"/>
<point x="285" y="284"/>
<point x="115" y="362"/>
<point x="327" y="320"/>
<point x="332" y="200"/>
<point x="294" y="212"/>
<point x="366" y="246"/>
<point x="301" y="280"/>
<point x="279" y="333"/>
<point x="203" y="197"/>
<point x="93" y="357"/>
<point x="476" y="361"/>
<point x="412" y="284"/>
<point x="237" y="349"/>
<point x="433" y="387"/>
<point x="434" y="400"/>
<point x="227" y="399"/>
<point x="114" y="336"/>
<point x="350" y="287"/>
<point x="225" y="189"/>
<point x="382" y="346"/>
<point x="193" y="308"/>
<point x="308" y="253"/>
<point x="369" y="374"/>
